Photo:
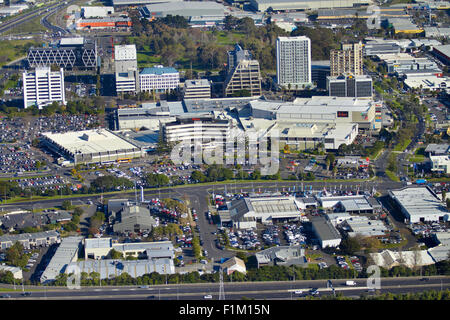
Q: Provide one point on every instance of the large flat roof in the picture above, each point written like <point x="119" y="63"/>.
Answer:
<point x="325" y="229"/>
<point x="419" y="201"/>
<point x="89" y="141"/>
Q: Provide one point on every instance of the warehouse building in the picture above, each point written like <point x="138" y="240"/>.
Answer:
<point x="281" y="255"/>
<point x="396" y="63"/>
<point x="402" y="25"/>
<point x="427" y="82"/>
<point x="350" y="86"/>
<point x="43" y="87"/>
<point x="245" y="213"/>
<point x="327" y="235"/>
<point x="435" y="32"/>
<point x="67" y="53"/>
<point x="108" y="269"/>
<point x="287" y="5"/>
<point x="30" y="240"/>
<point x="99" y="248"/>
<point x="96" y="12"/>
<point x="419" y="205"/>
<point x="184" y="9"/>
<point x="197" y="89"/>
<point x="363" y="226"/>
<point x="126" y="3"/>
<point x="66" y="253"/>
<point x="133" y="219"/>
<point x="116" y="22"/>
<point x="91" y="146"/>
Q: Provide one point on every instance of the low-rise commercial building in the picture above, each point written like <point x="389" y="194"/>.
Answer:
<point x="396" y="63"/>
<point x="133" y="219"/>
<point x="159" y="79"/>
<point x="30" y="240"/>
<point x="281" y="255"/>
<point x="288" y="5"/>
<point x="363" y="226"/>
<point x="440" y="164"/>
<point x="234" y="264"/>
<point x="419" y="204"/>
<point x="16" y="271"/>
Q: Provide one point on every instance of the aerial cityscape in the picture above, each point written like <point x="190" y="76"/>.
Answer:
<point x="224" y="150"/>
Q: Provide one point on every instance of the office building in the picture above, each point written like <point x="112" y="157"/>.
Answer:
<point x="67" y="53"/>
<point x="294" y="62"/>
<point x="349" y="59"/>
<point x="243" y="73"/>
<point x="159" y="78"/>
<point x="320" y="70"/>
<point x="350" y="86"/>
<point x="30" y="240"/>
<point x="419" y="204"/>
<point x="126" y="70"/>
<point x="197" y="89"/>
<point x="43" y="87"/>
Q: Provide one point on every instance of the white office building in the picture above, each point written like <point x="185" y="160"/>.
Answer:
<point x="294" y="62"/>
<point x="159" y="78"/>
<point x="125" y="61"/>
<point x="42" y="87"/>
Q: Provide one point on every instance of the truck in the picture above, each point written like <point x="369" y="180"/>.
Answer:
<point x="350" y="283"/>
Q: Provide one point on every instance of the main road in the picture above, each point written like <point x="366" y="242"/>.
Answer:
<point x="283" y="290"/>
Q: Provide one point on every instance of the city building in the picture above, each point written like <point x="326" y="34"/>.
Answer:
<point x="440" y="164"/>
<point x="16" y="271"/>
<point x="281" y="255"/>
<point x="133" y="219"/>
<point x="43" y="87"/>
<point x="320" y="70"/>
<point x="126" y="70"/>
<point x="234" y="264"/>
<point x="293" y="62"/>
<point x="91" y="146"/>
<point x="67" y="53"/>
<point x="66" y="253"/>
<point x="419" y="204"/>
<point x="443" y="53"/>
<point x="99" y="248"/>
<point x="290" y="5"/>
<point x="205" y="129"/>
<point x="347" y="60"/>
<point x="327" y="235"/>
<point x="246" y="212"/>
<point x="350" y="86"/>
<point x="159" y="79"/>
<point x="243" y="73"/>
<point x="197" y="89"/>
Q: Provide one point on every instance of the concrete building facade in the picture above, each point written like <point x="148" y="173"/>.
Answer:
<point x="43" y="87"/>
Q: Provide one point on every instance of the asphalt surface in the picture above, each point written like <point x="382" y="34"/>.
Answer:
<point x="233" y="290"/>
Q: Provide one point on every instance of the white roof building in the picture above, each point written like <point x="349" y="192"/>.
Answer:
<point x="419" y="204"/>
<point x="16" y="271"/>
<point x="234" y="264"/>
<point x="125" y="52"/>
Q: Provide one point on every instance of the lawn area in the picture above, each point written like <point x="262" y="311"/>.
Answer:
<point x="11" y="50"/>
<point x="392" y="176"/>
<point x="402" y="146"/>
<point x="32" y="26"/>
<point x="147" y="59"/>
<point x="228" y="38"/>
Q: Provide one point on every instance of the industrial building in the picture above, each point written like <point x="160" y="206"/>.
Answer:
<point x="246" y="212"/>
<point x="287" y="5"/>
<point x="325" y="232"/>
<point x="350" y="86"/>
<point x="402" y="25"/>
<point x="243" y="73"/>
<point x="43" y="87"/>
<point x="435" y="32"/>
<point x="347" y="60"/>
<point x="116" y="22"/>
<point x="96" y="12"/>
<point x="374" y="48"/>
<point x="67" y="53"/>
<point x="363" y="226"/>
<point x="159" y="78"/>
<point x="66" y="253"/>
<point x="30" y="240"/>
<point x="293" y="62"/>
<point x="109" y="268"/>
<point x="197" y="89"/>
<point x="91" y="146"/>
<point x="419" y="204"/>
<point x="184" y="9"/>
<point x="396" y="63"/>
<point x="427" y="82"/>
<point x="319" y="109"/>
<point x="281" y="255"/>
<point x="126" y="70"/>
<point x="205" y="129"/>
<point x="126" y="3"/>
<point x="355" y="204"/>
<point x="99" y="248"/>
<point x="16" y="271"/>
<point x="133" y="219"/>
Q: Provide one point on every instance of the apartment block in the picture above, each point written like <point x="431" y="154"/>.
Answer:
<point x="349" y="59"/>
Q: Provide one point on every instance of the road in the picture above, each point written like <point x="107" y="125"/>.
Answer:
<point x="234" y="290"/>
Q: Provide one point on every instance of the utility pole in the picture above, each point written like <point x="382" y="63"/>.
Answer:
<point x="221" y="289"/>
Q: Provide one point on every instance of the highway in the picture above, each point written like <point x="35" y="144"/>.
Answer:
<point x="282" y="290"/>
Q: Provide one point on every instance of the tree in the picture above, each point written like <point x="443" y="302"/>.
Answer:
<point x="114" y="254"/>
<point x="350" y="245"/>
<point x="66" y="205"/>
